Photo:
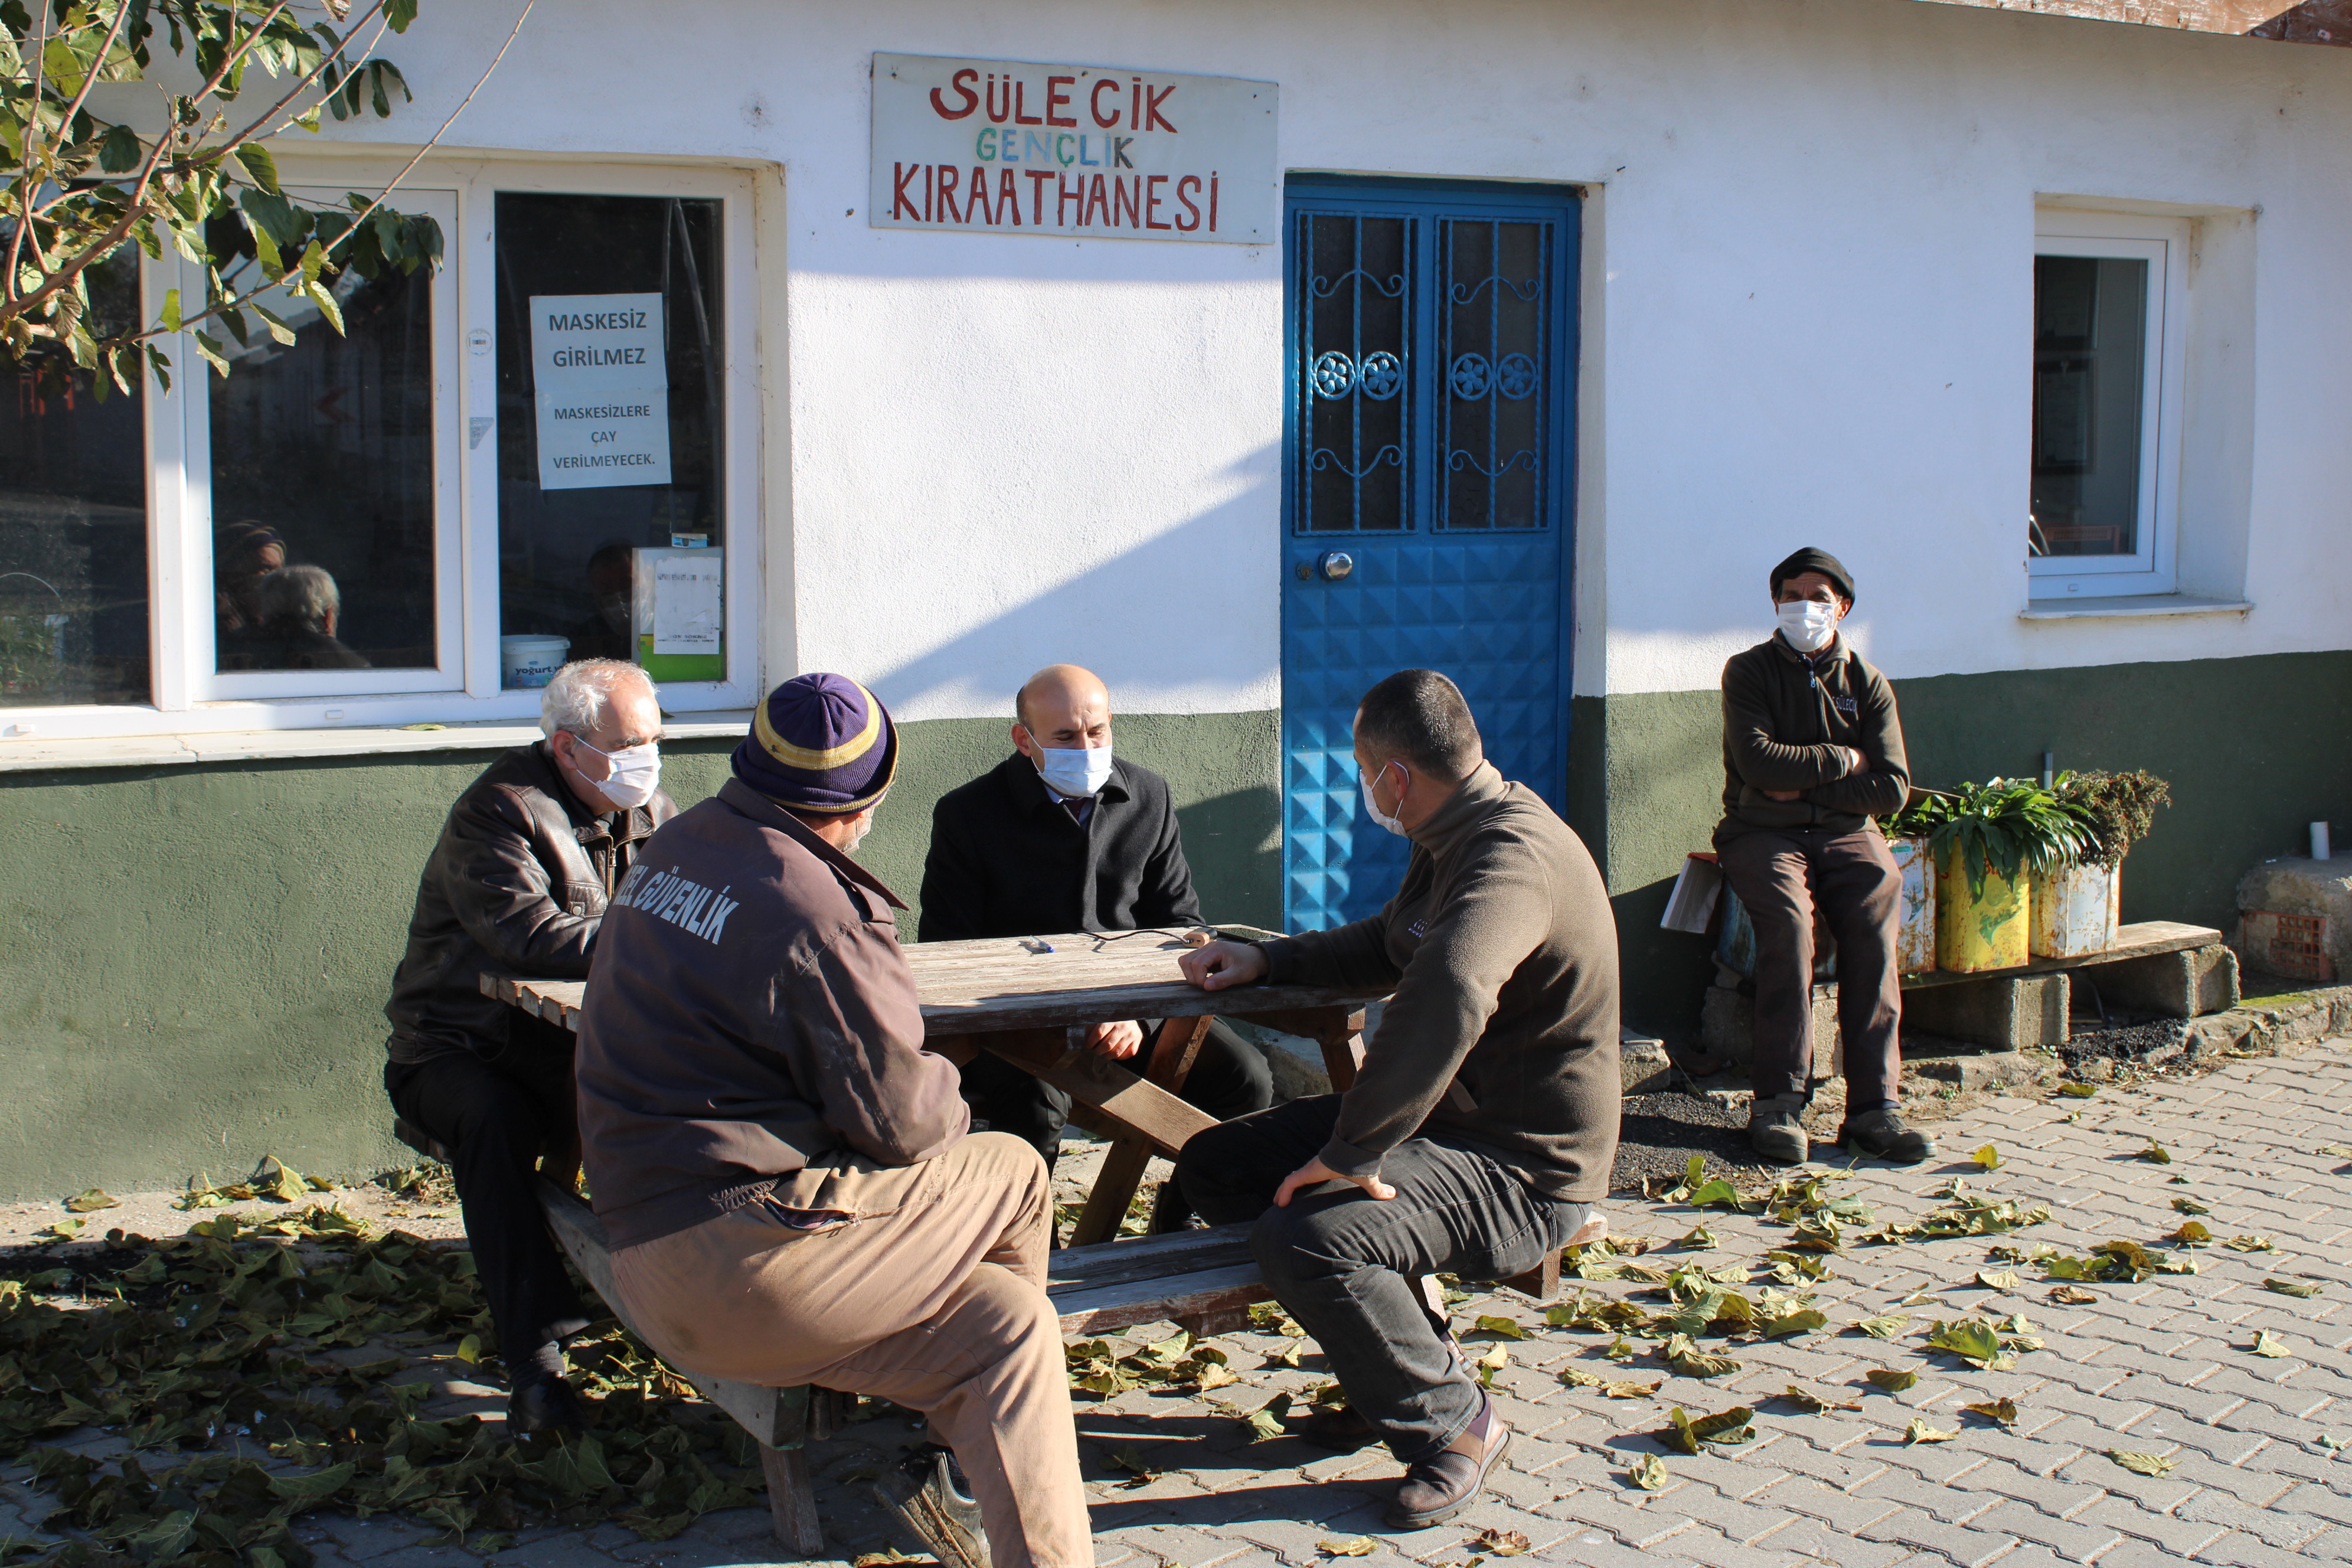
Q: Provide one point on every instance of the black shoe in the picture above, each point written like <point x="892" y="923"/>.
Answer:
<point x="545" y="1405"/>
<point x="1882" y="1135"/>
<point x="930" y="1495"/>
<point x="1436" y="1489"/>
<point x="1776" y="1129"/>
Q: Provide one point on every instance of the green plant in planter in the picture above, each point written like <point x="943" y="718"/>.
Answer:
<point x="2009" y="826"/>
<point x="2118" y="809"/>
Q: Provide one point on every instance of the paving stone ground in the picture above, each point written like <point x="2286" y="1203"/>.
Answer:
<point x="2162" y="1367"/>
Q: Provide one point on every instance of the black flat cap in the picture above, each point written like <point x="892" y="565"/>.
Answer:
<point x="1811" y="560"/>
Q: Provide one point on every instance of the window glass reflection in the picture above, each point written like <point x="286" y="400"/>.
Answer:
<point x="2090" y="347"/>
<point x="322" y="467"/>
<point x="611" y="507"/>
<point x="73" y="519"/>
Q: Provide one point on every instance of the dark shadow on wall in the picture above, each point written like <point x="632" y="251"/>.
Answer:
<point x="1233" y="844"/>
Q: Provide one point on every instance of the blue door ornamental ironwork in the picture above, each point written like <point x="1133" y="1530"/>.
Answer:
<point x="1426" y="513"/>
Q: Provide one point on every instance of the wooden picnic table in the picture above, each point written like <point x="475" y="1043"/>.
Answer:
<point x="1029" y="1000"/>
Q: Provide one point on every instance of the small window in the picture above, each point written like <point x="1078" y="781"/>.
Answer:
<point x="2107" y="325"/>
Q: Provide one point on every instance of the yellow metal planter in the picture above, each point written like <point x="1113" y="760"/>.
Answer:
<point x="1914" y="940"/>
<point x="1976" y="932"/>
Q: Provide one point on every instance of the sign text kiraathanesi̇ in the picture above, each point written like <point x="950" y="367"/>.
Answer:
<point x="1068" y="151"/>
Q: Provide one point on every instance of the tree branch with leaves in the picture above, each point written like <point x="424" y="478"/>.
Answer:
<point x="197" y="173"/>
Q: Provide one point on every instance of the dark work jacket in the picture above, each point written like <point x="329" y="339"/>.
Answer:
<point x="1781" y="714"/>
<point x="1502" y="1031"/>
<point x="1008" y="859"/>
<point x="516" y="886"/>
<point x="750" y="1018"/>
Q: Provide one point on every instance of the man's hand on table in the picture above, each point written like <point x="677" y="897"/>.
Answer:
<point x="1221" y="964"/>
<point x="1117" y="1041"/>
<point x="1316" y="1171"/>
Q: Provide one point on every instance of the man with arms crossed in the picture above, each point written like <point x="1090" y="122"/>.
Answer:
<point x="1481" y="1126"/>
<point x="1813" y="749"/>
<point x="784" y="1172"/>
<point x="519" y="885"/>
<point x="1061" y="836"/>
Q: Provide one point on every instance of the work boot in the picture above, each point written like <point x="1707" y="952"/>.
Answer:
<point x="1881" y="1134"/>
<point x="1776" y="1129"/>
<point x="1436" y="1489"/>
<point x="545" y="1403"/>
<point x="930" y="1495"/>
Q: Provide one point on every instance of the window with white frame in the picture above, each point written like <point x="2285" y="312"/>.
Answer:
<point x="544" y="451"/>
<point x="2108" y="337"/>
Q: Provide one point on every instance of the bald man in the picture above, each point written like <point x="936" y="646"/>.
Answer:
<point x="1064" y="836"/>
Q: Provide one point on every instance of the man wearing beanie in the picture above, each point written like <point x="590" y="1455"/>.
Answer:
<point x="1813" y="749"/>
<point x="786" y="1174"/>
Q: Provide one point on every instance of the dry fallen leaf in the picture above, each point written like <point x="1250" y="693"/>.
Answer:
<point x="2192" y="1233"/>
<point x="2156" y="1153"/>
<point x="2073" y="1295"/>
<point x="1629" y="1390"/>
<point x="1354" y="1546"/>
<point x="2002" y="1410"/>
<point x="1500" y="1543"/>
<point x="881" y="1559"/>
<point x="2140" y="1463"/>
<point x="92" y="1199"/>
<point x="2002" y="1281"/>
<point x="2291" y="1288"/>
<point x="2342" y="1151"/>
<point x="1501" y="1328"/>
<point x="1988" y="1157"/>
<point x="2250" y="1243"/>
<point x="1649" y="1473"/>
<point x="1493" y="1362"/>
<point x="1139" y="1469"/>
<point x="2267" y="1344"/>
<point x="1893" y="1382"/>
<point x="2190" y="1206"/>
<point x="1920" y="1432"/>
<point x="1884" y="1328"/>
<point x="1699" y="1239"/>
<point x="1813" y="1403"/>
<point x="2077" y="1091"/>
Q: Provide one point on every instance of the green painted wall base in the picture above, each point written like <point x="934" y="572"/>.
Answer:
<point x="2255" y="748"/>
<point x="196" y="959"/>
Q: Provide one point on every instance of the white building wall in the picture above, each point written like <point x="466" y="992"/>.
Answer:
<point x="1807" y="318"/>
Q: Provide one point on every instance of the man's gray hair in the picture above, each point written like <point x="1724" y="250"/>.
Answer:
<point x="579" y="693"/>
<point x="306" y="595"/>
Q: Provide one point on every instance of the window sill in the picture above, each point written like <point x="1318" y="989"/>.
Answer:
<point x="2131" y="605"/>
<point x="37" y="754"/>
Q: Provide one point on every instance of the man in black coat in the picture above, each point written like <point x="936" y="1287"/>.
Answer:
<point x="1062" y="837"/>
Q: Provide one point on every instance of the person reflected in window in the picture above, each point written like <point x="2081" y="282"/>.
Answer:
<point x="300" y="608"/>
<point x="244" y="552"/>
<point x="612" y="577"/>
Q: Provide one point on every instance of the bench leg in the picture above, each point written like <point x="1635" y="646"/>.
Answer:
<point x="1123" y="1167"/>
<point x="791" y="1499"/>
<point x="1542" y="1281"/>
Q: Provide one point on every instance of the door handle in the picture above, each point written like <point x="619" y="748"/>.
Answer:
<point x="1335" y="566"/>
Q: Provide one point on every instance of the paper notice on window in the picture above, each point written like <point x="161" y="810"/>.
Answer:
<point x="603" y="385"/>
<point x="687" y="590"/>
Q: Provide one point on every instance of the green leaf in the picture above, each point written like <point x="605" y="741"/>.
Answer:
<point x="1893" y="1382"/>
<point x="319" y="294"/>
<point x="306" y="1492"/>
<point x="1798" y="1322"/>
<point x="1687" y="1358"/>
<point x="1264" y="1423"/>
<point x="1699" y="1239"/>
<point x="1968" y="1338"/>
<point x="259" y="164"/>
<point x="399" y="14"/>
<point x="1649" y="1473"/>
<point x="1813" y="1403"/>
<point x="2156" y="1153"/>
<point x="2291" y="1288"/>
<point x="2077" y="1091"/>
<point x="1715" y="1192"/>
<point x="1141" y="1474"/>
<point x="91" y="1199"/>
<point x="208" y="349"/>
<point x="170" y="317"/>
<point x="1686" y="1432"/>
<point x="1988" y="1157"/>
<point x="119" y="152"/>
<point x="1890" y="1326"/>
<point x="2140" y="1463"/>
<point x="285" y="334"/>
<point x="1501" y="1328"/>
<point x="470" y="1350"/>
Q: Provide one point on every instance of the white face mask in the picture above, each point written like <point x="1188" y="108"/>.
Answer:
<point x="1079" y="773"/>
<point x="636" y="771"/>
<point x="1371" y="807"/>
<point x="1807" y="624"/>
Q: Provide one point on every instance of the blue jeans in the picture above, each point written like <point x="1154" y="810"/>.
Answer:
<point x="1342" y="1263"/>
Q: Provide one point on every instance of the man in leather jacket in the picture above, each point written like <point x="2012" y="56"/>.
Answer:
<point x="518" y="885"/>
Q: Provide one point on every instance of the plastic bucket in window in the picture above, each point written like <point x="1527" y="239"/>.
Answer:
<point x="531" y="661"/>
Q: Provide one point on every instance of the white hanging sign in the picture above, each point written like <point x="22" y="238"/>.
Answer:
<point x="603" y="383"/>
<point x="1008" y="147"/>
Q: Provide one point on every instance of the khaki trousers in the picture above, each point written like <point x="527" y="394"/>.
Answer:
<point x="939" y="1305"/>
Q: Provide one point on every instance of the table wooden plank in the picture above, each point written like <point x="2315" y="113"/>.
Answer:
<point x="1100" y="1310"/>
<point x="2145" y="939"/>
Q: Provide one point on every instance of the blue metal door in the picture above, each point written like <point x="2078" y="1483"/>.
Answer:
<point x="1431" y="362"/>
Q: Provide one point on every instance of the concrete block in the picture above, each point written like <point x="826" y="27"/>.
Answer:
<point x="2296" y="918"/>
<point x="2186" y="985"/>
<point x="2013" y="1013"/>
<point x="1972" y="1070"/>
<point x="1643" y="1060"/>
<point x="1728" y="1028"/>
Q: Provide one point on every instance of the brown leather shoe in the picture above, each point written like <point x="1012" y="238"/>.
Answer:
<point x="1339" y="1428"/>
<point x="1436" y="1489"/>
